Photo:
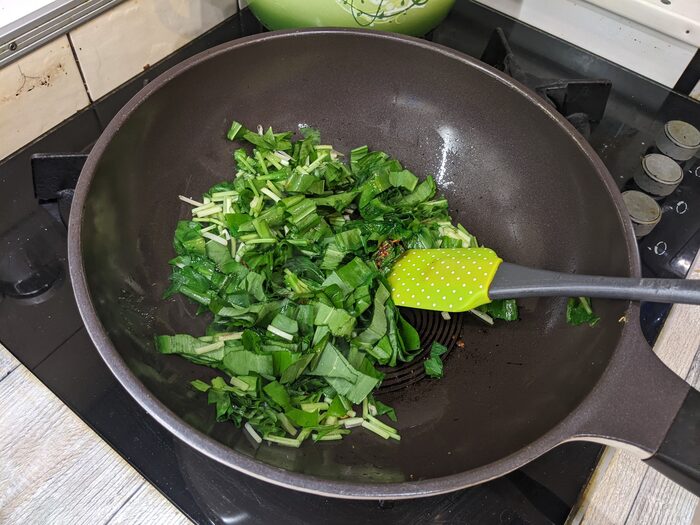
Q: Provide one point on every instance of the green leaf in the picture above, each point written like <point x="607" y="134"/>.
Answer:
<point x="436" y="350"/>
<point x="305" y="318"/>
<point x="222" y="400"/>
<point x="403" y="179"/>
<point x="506" y="309"/>
<point x="337" y="407"/>
<point x="178" y="344"/>
<point x="373" y="187"/>
<point x="579" y="311"/>
<point x="190" y="348"/>
<point x="409" y="334"/>
<point x="340" y="322"/>
<point x="333" y="364"/>
<point x="332" y="257"/>
<point x="378" y="327"/>
<point x="353" y="384"/>
<point x="277" y="393"/>
<point x="283" y="359"/>
<point x="362" y="299"/>
<point x="302" y="418"/>
<point x="356" y="155"/>
<point x="355" y="273"/>
<point x="285" y="324"/>
<point x="294" y="370"/>
<point x="310" y="134"/>
<point x="424" y="191"/>
<point x="354" y="392"/>
<point x="188" y="239"/>
<point x="349" y="240"/>
<point x="234" y="222"/>
<point x="254" y="285"/>
<point x="433" y="367"/>
<point x="339" y="201"/>
<point x="243" y="362"/>
<point x="383" y="409"/>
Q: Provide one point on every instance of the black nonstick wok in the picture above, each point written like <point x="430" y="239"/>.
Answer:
<point x="515" y="173"/>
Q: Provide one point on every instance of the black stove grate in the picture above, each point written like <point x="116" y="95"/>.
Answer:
<point x="581" y="101"/>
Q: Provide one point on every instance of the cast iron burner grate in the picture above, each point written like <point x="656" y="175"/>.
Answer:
<point x="431" y="327"/>
<point x="55" y="176"/>
<point x="581" y="101"/>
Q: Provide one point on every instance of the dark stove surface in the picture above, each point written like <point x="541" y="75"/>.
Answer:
<point x="40" y="324"/>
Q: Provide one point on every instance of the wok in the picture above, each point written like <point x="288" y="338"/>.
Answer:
<point x="515" y="173"/>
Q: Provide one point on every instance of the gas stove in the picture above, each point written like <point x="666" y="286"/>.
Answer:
<point x="622" y="115"/>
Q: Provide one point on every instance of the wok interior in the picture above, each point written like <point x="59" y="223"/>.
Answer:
<point x="512" y="175"/>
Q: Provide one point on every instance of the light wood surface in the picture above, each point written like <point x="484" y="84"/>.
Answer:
<point x="55" y="469"/>
<point x="7" y="363"/>
<point x="625" y="490"/>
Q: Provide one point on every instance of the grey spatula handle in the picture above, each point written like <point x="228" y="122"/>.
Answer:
<point x="512" y="281"/>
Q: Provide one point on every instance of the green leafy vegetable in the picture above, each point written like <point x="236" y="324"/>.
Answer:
<point x="384" y="409"/>
<point x="289" y="258"/>
<point x="506" y="309"/>
<point x="579" y="311"/>
<point x="433" y="365"/>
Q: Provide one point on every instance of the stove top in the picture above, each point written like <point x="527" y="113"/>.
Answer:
<point x="39" y="321"/>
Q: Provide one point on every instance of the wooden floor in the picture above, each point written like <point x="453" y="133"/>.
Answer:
<point x="55" y="469"/>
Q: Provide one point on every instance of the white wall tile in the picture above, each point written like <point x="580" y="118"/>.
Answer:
<point x="120" y="43"/>
<point x="679" y="19"/>
<point x="37" y="92"/>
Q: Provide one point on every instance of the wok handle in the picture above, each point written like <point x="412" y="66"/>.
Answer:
<point x="512" y="281"/>
<point x="643" y="407"/>
<point x="678" y="457"/>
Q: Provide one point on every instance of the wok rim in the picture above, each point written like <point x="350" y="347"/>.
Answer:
<point x="564" y="430"/>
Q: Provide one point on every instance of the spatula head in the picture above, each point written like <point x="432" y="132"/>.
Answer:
<point x="443" y="279"/>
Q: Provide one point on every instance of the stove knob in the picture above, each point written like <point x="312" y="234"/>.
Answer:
<point x="644" y="212"/>
<point x="660" y="175"/>
<point x="679" y="140"/>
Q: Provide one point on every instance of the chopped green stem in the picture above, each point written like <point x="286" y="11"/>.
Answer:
<point x="481" y="315"/>
<point x="381" y="425"/>
<point x="251" y="431"/>
<point x="586" y="305"/>
<point x="352" y="422"/>
<point x="373" y="428"/>
<point x="209" y="348"/>
<point x="190" y="201"/>
<point x="330" y="437"/>
<point x="287" y="442"/>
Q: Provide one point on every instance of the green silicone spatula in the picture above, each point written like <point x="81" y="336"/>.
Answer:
<point x="460" y="279"/>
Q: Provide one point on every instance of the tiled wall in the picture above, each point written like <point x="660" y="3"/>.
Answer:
<point x="41" y="89"/>
<point x="37" y="92"/>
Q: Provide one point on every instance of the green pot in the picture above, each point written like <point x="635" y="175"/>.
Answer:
<point x="411" y="17"/>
